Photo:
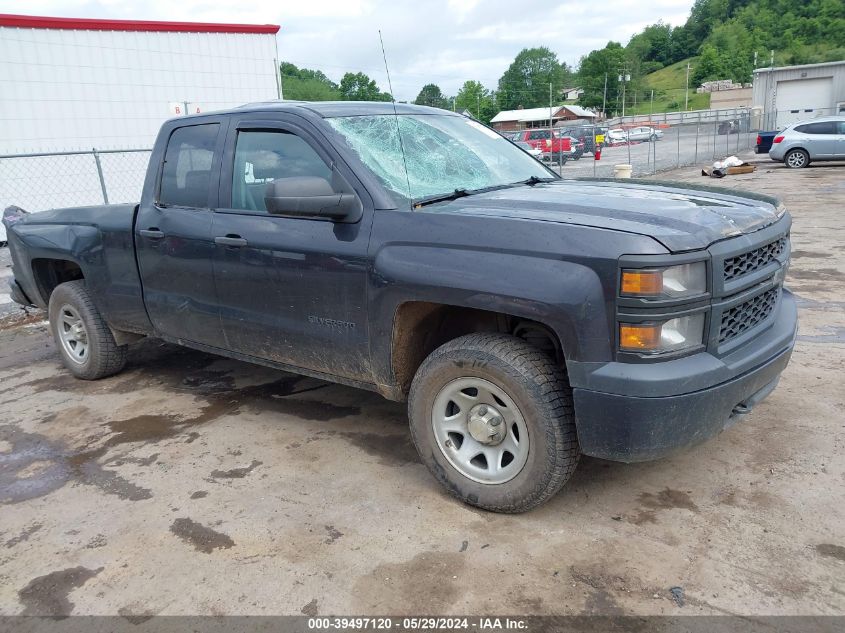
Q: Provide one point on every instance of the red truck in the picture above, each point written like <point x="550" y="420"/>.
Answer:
<point x="555" y="147"/>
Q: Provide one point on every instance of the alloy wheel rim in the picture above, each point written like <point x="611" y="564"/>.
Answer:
<point x="480" y="430"/>
<point x="73" y="334"/>
<point x="796" y="159"/>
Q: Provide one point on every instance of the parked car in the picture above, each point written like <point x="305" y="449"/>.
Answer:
<point x="554" y="146"/>
<point x="764" y="142"/>
<point x="586" y="135"/>
<point x="802" y="143"/>
<point x="533" y="151"/>
<point x="734" y="126"/>
<point x="616" y="136"/>
<point x="577" y="148"/>
<point x="525" y="318"/>
<point x="644" y="133"/>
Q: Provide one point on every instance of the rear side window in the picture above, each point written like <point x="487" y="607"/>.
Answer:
<point x="823" y="127"/>
<point x="186" y="176"/>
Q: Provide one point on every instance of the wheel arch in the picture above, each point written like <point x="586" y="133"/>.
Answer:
<point x="49" y="272"/>
<point x="420" y="327"/>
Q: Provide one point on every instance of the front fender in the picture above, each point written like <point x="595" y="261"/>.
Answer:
<point x="567" y="297"/>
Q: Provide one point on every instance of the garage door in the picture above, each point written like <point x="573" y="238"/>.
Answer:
<point x="801" y="99"/>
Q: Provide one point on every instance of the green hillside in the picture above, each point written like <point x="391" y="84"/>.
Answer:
<point x="668" y="85"/>
<point x="671" y="77"/>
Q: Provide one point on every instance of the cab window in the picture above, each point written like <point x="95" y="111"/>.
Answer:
<point x="186" y="175"/>
<point x="263" y="156"/>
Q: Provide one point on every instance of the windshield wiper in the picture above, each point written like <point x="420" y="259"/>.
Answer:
<point x="533" y="181"/>
<point x="442" y="197"/>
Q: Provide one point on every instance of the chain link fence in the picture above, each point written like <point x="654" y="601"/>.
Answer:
<point x="36" y="182"/>
<point x="663" y="142"/>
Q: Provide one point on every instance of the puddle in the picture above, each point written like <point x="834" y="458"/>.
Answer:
<point x="201" y="537"/>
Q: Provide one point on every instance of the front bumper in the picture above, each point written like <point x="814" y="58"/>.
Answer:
<point x="651" y="412"/>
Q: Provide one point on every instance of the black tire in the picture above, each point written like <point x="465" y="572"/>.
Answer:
<point x="652" y="138"/>
<point x="538" y="387"/>
<point x="104" y="357"/>
<point x="796" y="159"/>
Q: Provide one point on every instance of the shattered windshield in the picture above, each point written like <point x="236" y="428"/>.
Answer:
<point x="442" y="153"/>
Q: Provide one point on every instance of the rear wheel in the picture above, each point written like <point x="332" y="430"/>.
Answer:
<point x="796" y="159"/>
<point x="492" y="419"/>
<point x="85" y="343"/>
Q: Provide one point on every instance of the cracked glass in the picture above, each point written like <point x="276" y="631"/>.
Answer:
<point x="442" y="153"/>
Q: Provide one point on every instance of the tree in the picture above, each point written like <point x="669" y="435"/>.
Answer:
<point x="359" y="87"/>
<point x="430" y="95"/>
<point x="306" y="84"/>
<point x="526" y="81"/>
<point x="594" y="67"/>
<point x="476" y="99"/>
<point x="653" y="44"/>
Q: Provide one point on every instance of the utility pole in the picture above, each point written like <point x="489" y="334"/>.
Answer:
<point x="478" y="107"/>
<point x="551" y="126"/>
<point x="604" y="99"/>
<point x="686" y="91"/>
<point x="624" y="78"/>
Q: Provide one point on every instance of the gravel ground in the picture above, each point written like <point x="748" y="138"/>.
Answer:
<point x="194" y="484"/>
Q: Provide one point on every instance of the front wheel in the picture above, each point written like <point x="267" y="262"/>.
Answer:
<point x="492" y="419"/>
<point x="796" y="159"/>
<point x="85" y="343"/>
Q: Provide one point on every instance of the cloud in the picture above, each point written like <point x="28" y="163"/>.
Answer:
<point x="441" y="41"/>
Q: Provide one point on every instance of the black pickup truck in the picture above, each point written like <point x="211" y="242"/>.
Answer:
<point x="525" y="318"/>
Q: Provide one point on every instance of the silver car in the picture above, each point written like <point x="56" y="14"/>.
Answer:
<point x="644" y="133"/>
<point x="802" y="143"/>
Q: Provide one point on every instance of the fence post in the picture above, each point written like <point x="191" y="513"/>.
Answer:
<point x="715" y="129"/>
<point x="697" y="128"/>
<point x="679" y="143"/>
<point x="100" y="174"/>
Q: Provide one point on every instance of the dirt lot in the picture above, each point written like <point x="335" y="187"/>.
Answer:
<point x="194" y="484"/>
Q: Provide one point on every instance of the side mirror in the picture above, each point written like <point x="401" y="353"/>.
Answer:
<point x="313" y="197"/>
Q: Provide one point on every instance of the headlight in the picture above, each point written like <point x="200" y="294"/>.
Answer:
<point x="674" y="282"/>
<point x="664" y="336"/>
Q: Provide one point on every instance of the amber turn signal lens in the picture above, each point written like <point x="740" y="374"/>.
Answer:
<point x="639" y="337"/>
<point x="642" y="282"/>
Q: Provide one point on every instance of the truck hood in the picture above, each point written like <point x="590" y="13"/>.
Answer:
<point x="681" y="218"/>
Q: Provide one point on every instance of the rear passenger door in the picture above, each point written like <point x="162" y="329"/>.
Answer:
<point x="821" y="138"/>
<point x="173" y="233"/>
<point x="840" y="140"/>
<point x="292" y="290"/>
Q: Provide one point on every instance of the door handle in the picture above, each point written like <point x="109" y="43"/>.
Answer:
<point x="152" y="233"/>
<point x="230" y="240"/>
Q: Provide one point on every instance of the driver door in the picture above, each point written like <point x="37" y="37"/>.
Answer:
<point x="291" y="290"/>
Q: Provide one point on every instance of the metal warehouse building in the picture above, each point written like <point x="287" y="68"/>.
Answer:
<point x="793" y="93"/>
<point x="72" y="84"/>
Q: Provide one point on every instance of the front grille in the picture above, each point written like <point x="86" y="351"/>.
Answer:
<point x="752" y="260"/>
<point x="746" y="315"/>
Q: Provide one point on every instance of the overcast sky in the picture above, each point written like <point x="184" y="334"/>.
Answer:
<point x="442" y="41"/>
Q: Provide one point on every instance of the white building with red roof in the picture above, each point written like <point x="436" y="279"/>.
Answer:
<point x="72" y="84"/>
